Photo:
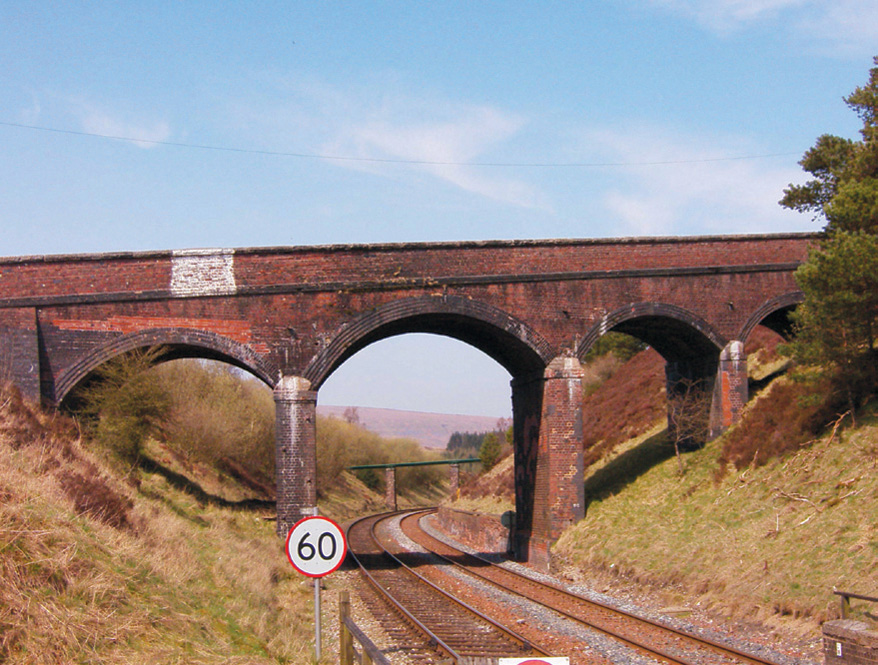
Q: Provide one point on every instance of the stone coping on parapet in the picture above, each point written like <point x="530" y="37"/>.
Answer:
<point x="404" y="246"/>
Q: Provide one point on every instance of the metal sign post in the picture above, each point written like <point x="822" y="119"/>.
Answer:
<point x="317" y="619"/>
<point x="316" y="546"/>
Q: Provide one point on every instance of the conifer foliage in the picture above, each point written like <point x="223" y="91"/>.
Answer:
<point x="836" y="324"/>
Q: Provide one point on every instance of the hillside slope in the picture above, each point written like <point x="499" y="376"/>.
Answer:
<point x="431" y="430"/>
<point x="95" y="568"/>
<point x="764" y="543"/>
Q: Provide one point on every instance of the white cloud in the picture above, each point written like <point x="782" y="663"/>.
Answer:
<point x="95" y="120"/>
<point x="678" y="184"/>
<point x="380" y="128"/>
<point x="726" y="15"/>
<point x="442" y="139"/>
<point x="442" y="145"/>
<point x="848" y="27"/>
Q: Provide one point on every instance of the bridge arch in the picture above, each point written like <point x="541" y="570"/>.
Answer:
<point x="774" y="315"/>
<point x="692" y="349"/>
<point x="513" y="344"/>
<point x="180" y="343"/>
<point x="674" y="332"/>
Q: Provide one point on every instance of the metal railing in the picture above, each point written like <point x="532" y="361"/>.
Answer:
<point x="846" y="601"/>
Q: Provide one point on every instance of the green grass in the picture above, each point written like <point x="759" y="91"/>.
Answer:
<point x="767" y="543"/>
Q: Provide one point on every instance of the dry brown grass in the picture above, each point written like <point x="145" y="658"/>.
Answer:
<point x="94" y="569"/>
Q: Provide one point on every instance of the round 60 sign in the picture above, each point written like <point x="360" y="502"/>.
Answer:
<point x="316" y="546"/>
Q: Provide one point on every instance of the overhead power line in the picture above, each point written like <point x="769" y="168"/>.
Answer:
<point x="383" y="160"/>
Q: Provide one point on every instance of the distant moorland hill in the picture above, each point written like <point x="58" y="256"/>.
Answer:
<point x="431" y="430"/>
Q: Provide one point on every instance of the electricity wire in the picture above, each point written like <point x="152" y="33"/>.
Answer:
<point x="388" y="160"/>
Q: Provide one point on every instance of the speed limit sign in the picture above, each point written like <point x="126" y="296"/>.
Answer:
<point x="316" y="546"/>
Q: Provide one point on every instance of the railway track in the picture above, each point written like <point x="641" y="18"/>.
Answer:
<point x="438" y="628"/>
<point x="649" y="637"/>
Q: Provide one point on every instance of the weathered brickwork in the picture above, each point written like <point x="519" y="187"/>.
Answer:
<point x="558" y="483"/>
<point x="292" y="316"/>
<point x="485" y="533"/>
<point x="295" y="450"/>
<point x="849" y="642"/>
<point x="390" y="488"/>
<point x="733" y="387"/>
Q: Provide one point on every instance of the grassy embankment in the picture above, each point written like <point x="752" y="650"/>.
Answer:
<point x="767" y="543"/>
<point x="750" y="535"/>
<point x="162" y="565"/>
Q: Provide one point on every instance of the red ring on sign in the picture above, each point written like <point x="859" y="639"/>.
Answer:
<point x="331" y="524"/>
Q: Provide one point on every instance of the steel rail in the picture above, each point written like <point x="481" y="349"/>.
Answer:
<point x="525" y="645"/>
<point x="723" y="649"/>
<point x="433" y="639"/>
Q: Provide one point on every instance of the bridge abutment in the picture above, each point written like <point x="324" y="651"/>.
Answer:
<point x="295" y="451"/>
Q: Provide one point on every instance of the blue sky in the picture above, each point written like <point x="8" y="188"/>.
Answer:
<point x="265" y="124"/>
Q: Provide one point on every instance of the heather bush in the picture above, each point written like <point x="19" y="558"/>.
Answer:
<point x="628" y="403"/>
<point x="792" y="415"/>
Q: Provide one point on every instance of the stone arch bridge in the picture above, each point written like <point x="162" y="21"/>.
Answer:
<point x="291" y="316"/>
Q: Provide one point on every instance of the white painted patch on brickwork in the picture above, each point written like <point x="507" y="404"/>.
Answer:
<point x="203" y="272"/>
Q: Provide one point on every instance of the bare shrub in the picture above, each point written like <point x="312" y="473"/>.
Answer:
<point x="125" y="404"/>
<point x="688" y="416"/>
<point x="222" y="418"/>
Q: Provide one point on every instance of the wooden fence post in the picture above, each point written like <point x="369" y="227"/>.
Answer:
<point x="346" y="640"/>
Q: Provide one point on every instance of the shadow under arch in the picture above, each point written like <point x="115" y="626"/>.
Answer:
<point x="512" y="343"/>
<point x="179" y="343"/>
<point x="774" y="315"/>
<point x="675" y="333"/>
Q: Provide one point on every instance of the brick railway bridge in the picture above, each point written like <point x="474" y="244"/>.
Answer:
<point x="291" y="316"/>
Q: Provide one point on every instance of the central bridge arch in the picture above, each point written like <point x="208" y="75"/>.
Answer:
<point x="509" y="341"/>
<point x="519" y="349"/>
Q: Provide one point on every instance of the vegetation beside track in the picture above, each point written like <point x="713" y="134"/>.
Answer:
<point x="766" y="543"/>
<point x="761" y="524"/>
<point x="175" y="561"/>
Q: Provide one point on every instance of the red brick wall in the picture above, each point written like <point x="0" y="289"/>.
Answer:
<point x="850" y="643"/>
<point x="288" y="304"/>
